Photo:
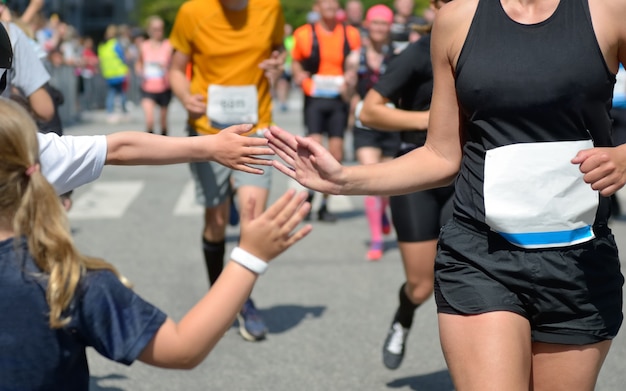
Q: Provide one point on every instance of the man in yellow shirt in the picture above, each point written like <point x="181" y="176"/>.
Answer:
<point x="235" y="51"/>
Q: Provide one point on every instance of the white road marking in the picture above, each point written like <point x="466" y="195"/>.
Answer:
<point x="111" y="199"/>
<point x="105" y="199"/>
<point x="186" y="204"/>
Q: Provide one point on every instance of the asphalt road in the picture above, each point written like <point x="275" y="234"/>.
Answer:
<point x="327" y="308"/>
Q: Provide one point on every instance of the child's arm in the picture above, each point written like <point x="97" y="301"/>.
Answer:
<point x="186" y="344"/>
<point x="72" y="161"/>
<point x="228" y="148"/>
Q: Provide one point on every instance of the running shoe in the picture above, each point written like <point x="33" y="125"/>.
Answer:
<point x="393" y="350"/>
<point x="386" y="224"/>
<point x="251" y="326"/>
<point x="375" y="252"/>
<point x="324" y="215"/>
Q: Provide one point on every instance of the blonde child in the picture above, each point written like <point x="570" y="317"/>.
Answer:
<point x="58" y="301"/>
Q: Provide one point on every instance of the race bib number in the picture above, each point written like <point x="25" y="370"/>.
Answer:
<point x="231" y="105"/>
<point x="327" y="86"/>
<point x="153" y="70"/>
<point x="536" y="198"/>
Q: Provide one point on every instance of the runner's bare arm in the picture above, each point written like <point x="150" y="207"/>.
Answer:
<point x="194" y="103"/>
<point x="434" y="165"/>
<point x="351" y="66"/>
<point x="605" y="168"/>
<point x="377" y="115"/>
<point x="273" y="66"/>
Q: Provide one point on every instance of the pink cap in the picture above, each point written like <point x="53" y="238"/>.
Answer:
<point x="341" y="16"/>
<point x="379" y="11"/>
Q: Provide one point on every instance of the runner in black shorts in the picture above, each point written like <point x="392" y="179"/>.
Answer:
<point x="318" y="62"/>
<point x="417" y="217"/>
<point x="162" y="99"/>
<point x="325" y="116"/>
<point x="373" y="146"/>
<point x="529" y="288"/>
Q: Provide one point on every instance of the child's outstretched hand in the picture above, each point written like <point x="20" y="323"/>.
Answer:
<point x="272" y="232"/>
<point x="231" y="149"/>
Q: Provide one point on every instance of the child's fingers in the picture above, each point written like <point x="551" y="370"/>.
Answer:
<point x="249" y="170"/>
<point x="279" y="205"/>
<point x="289" y="211"/>
<point x="239" y="129"/>
<point x="258" y="151"/>
<point x="256" y="142"/>
<point x="249" y="160"/>
<point x="299" y="234"/>
<point x="296" y="217"/>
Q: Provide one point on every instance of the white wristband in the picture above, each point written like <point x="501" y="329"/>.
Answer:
<point x="247" y="260"/>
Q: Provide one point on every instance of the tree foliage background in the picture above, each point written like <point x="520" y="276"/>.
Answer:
<point x="295" y="10"/>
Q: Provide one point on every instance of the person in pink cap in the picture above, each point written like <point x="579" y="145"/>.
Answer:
<point x="363" y="69"/>
<point x="155" y="55"/>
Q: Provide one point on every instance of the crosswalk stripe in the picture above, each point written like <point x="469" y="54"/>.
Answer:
<point x="105" y="199"/>
<point x="111" y="199"/>
<point x="186" y="204"/>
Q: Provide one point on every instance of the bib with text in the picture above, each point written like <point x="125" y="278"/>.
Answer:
<point x="231" y="105"/>
<point x="327" y="86"/>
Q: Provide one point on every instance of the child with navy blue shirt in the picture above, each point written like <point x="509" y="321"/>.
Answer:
<point x="57" y="301"/>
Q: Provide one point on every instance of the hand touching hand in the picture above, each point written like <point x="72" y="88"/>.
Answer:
<point x="306" y="161"/>
<point x="238" y="152"/>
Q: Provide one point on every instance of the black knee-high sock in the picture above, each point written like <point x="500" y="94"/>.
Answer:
<point x="405" y="312"/>
<point x="213" y="258"/>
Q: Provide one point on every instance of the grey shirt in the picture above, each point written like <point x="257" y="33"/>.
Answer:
<point x="28" y="73"/>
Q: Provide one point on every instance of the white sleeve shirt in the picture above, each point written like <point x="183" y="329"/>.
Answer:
<point x="71" y="161"/>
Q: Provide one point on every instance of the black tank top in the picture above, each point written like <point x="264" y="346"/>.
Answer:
<point x="367" y="76"/>
<point x="528" y="83"/>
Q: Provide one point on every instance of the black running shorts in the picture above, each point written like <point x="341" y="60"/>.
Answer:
<point x="419" y="216"/>
<point x="387" y="142"/>
<point x="325" y="115"/>
<point x="570" y="295"/>
<point x="162" y="99"/>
